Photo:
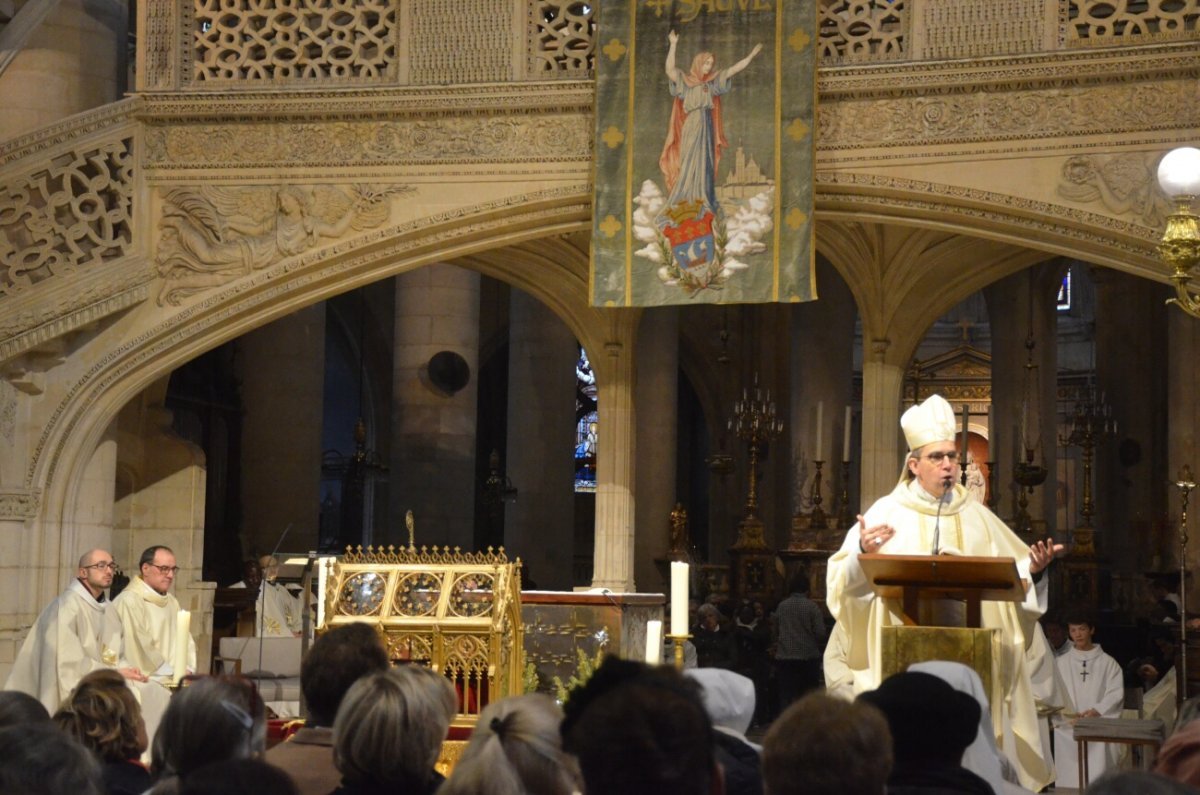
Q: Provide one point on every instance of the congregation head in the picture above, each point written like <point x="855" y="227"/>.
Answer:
<point x="516" y="749"/>
<point x="238" y="777"/>
<point x="931" y="723"/>
<point x="103" y="715"/>
<point x="212" y="719"/>
<point x="639" y="729"/>
<point x="822" y="745"/>
<point x="390" y="726"/>
<point x="21" y="709"/>
<point x="338" y="659"/>
<point x="41" y="760"/>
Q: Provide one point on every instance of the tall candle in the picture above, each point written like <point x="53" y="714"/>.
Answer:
<point x="679" y="598"/>
<point x="322" y="577"/>
<point x="654" y="642"/>
<point x="846" y="435"/>
<point x="183" y="622"/>
<point x="817" y="454"/>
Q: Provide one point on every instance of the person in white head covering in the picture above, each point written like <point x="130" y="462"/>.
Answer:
<point x="928" y="509"/>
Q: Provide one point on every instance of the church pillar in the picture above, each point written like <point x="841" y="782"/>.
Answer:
<point x="283" y="379"/>
<point x="1129" y="480"/>
<point x="615" y="451"/>
<point x="434" y="404"/>
<point x="657" y="398"/>
<point x="539" y="526"/>
<point x="882" y="453"/>
<point x="72" y="61"/>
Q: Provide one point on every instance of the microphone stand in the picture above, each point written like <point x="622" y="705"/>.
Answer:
<point x="262" y="599"/>
<point x="937" y="521"/>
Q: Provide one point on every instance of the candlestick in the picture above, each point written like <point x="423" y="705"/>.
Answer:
<point x="654" y="642"/>
<point x="818" y="519"/>
<point x="678" y="641"/>
<point x="962" y="462"/>
<point x="844" y="519"/>
<point x="679" y="598"/>
<point x="820" y="410"/>
<point x="846" y="435"/>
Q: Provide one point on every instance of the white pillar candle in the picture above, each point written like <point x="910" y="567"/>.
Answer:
<point x="322" y="576"/>
<point x="679" y="598"/>
<point x="966" y="424"/>
<point x="183" y="622"/>
<point x="818" y="455"/>
<point x="846" y="435"/>
<point x="654" y="642"/>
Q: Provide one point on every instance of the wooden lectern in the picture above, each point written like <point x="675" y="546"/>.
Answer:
<point x="917" y="579"/>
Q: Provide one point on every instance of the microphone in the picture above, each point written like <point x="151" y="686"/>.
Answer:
<point x="947" y="495"/>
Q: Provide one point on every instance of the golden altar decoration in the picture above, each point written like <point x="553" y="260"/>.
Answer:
<point x="457" y="612"/>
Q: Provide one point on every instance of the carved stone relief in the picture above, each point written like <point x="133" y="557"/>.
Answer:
<point x="19" y="503"/>
<point x="73" y="213"/>
<point x="8" y="411"/>
<point x="1125" y="184"/>
<point x="858" y="31"/>
<point x="509" y="138"/>
<point x="1098" y="22"/>
<point x="209" y="235"/>
<point x="461" y="41"/>
<point x="562" y="39"/>
<point x="937" y="119"/>
<point x="317" y="40"/>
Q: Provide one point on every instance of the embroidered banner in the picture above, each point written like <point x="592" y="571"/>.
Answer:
<point x="704" y="152"/>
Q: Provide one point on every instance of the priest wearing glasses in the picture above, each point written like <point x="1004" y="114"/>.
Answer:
<point x="930" y="510"/>
<point x="148" y="611"/>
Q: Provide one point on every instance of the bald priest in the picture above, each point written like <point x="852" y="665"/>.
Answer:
<point x="75" y="635"/>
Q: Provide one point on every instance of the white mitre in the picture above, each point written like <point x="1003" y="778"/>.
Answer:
<point x="928" y="422"/>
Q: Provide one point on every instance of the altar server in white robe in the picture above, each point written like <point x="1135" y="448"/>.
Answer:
<point x="280" y="613"/>
<point x="148" y="614"/>
<point x="1095" y="689"/>
<point x="79" y="633"/>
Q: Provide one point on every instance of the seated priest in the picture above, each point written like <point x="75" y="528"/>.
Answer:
<point x="930" y="512"/>
<point x="149" y="617"/>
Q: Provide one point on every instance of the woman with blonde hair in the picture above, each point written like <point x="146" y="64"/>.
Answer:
<point x="103" y="715"/>
<point x="389" y="731"/>
<point x="516" y="749"/>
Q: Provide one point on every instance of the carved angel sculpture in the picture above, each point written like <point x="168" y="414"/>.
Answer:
<point x="211" y="235"/>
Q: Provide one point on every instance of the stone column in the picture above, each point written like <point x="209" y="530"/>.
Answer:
<point x="882" y="451"/>
<point x="72" y="61"/>
<point x="615" y="457"/>
<point x="657" y="398"/>
<point x="1130" y="476"/>
<point x="283" y="382"/>
<point x="539" y="527"/>
<point x="433" y="421"/>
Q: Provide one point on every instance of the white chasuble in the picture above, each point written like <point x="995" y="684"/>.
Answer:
<point x="148" y="620"/>
<point x="73" y="636"/>
<point x="1092" y="680"/>
<point x="967" y="528"/>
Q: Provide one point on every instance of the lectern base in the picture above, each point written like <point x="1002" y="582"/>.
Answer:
<point x="975" y="648"/>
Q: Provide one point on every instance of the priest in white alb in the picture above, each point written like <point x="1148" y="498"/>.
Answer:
<point x="150" y="619"/>
<point x="929" y="509"/>
<point x="75" y="635"/>
<point x="1096" y="689"/>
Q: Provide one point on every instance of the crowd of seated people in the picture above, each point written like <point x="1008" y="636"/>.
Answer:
<point x="630" y="729"/>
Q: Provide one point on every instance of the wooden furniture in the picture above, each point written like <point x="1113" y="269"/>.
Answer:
<point x="915" y="578"/>
<point x="1126" y="731"/>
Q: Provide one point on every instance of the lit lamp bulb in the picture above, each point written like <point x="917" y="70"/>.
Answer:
<point x="1179" y="176"/>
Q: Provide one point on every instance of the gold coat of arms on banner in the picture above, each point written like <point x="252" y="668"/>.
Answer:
<point x="704" y="152"/>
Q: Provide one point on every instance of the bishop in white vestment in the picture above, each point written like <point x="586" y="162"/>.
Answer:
<point x="1095" y="689"/>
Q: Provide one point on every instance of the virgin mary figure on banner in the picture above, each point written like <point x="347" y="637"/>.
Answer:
<point x="691" y="219"/>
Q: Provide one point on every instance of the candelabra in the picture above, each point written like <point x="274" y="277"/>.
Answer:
<point x="754" y="422"/>
<point x="844" y="519"/>
<point x="1088" y="424"/>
